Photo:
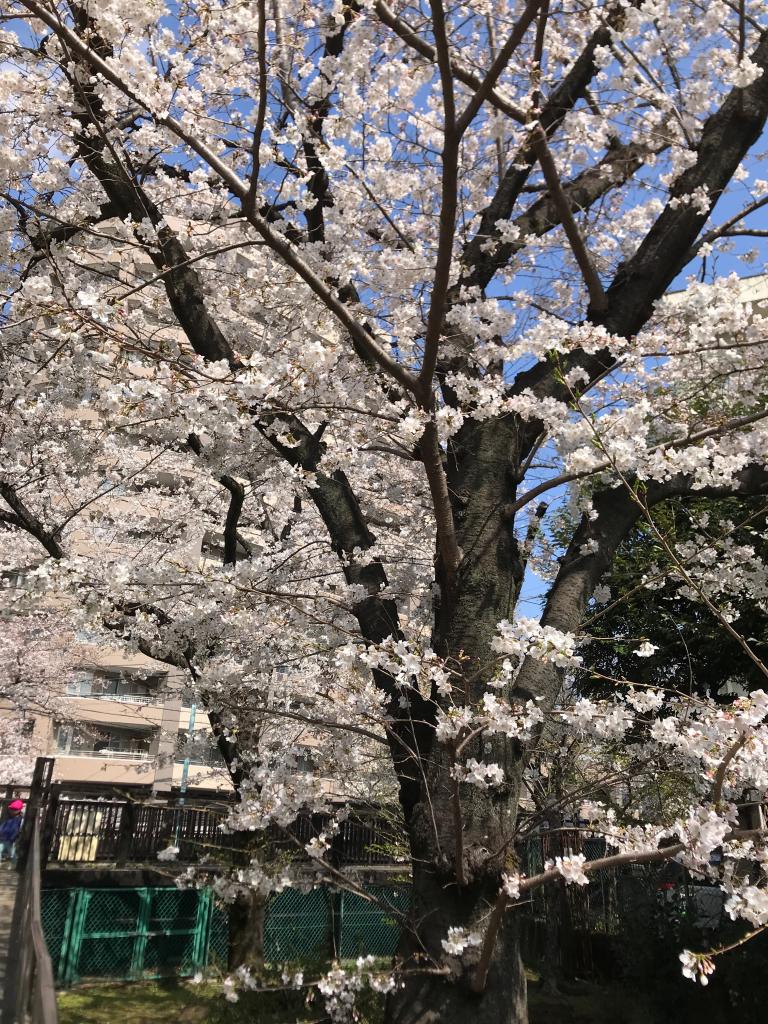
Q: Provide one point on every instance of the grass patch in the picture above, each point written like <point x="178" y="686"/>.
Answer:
<point x="183" y="1003"/>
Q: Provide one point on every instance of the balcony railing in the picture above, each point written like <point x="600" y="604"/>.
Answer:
<point x="118" y="755"/>
<point x="123" y="698"/>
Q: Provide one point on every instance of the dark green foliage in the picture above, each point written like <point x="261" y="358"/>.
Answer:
<point x="695" y="652"/>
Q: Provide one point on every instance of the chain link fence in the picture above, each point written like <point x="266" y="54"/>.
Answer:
<point x="127" y="933"/>
<point x="130" y="934"/>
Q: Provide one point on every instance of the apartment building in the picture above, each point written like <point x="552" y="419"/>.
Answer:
<point x="123" y="722"/>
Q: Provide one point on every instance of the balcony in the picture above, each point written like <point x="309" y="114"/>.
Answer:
<point x="110" y="755"/>
<point x="106" y="744"/>
<point x="120" y="686"/>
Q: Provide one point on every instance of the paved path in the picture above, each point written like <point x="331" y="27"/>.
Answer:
<point x="8" y="882"/>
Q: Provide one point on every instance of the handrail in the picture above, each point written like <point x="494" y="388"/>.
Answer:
<point x="31" y="995"/>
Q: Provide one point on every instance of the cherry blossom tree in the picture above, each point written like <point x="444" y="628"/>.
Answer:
<point x="36" y="655"/>
<point x="365" y="293"/>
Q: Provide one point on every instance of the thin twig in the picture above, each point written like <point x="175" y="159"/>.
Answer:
<point x="249" y="203"/>
<point x="186" y="263"/>
<point x="699" y="435"/>
<point x="486" y="87"/>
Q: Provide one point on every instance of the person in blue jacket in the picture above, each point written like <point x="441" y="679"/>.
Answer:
<point x="9" y="830"/>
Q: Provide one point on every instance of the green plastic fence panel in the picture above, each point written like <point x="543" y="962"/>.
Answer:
<point x="127" y="933"/>
<point x="369" y="928"/>
<point x="218" y="937"/>
<point x="299" y="926"/>
<point x="177" y="925"/>
<point x="55" y="912"/>
<point x="150" y="932"/>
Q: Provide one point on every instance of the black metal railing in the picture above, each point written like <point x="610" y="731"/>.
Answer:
<point x="106" y="831"/>
<point x="89" y="831"/>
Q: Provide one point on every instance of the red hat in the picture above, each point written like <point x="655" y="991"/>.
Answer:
<point x="16" y="805"/>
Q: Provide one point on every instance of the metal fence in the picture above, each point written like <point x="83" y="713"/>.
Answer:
<point x="94" y="831"/>
<point x="590" y="908"/>
<point x="131" y="934"/>
<point x="30" y="997"/>
<point x="123" y="831"/>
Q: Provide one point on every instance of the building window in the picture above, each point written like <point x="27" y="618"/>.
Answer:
<point x="122" y="686"/>
<point x="97" y="741"/>
<point x="198" y="748"/>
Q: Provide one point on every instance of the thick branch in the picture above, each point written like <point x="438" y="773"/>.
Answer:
<point x="592" y="550"/>
<point x="26" y="519"/>
<point x="447" y="542"/>
<point x="573" y="87"/>
<point x="448" y="203"/>
<point x="249" y="203"/>
<point x="726" y="138"/>
<point x="231" y="538"/>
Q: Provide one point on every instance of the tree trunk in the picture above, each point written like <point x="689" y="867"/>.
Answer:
<point x="246" y="931"/>
<point x="460" y="833"/>
<point x="430" y="998"/>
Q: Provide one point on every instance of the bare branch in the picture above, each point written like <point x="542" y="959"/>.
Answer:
<point x="28" y="521"/>
<point x="410" y="36"/>
<point x="597" y="297"/>
<point x="447" y="541"/>
<point x="249" y="202"/>
<point x="488" y="84"/>
<point x="10" y="519"/>
<point x="448" y="205"/>
<point x="725" y="227"/>
<point x="185" y="263"/>
<point x="231" y="538"/>
<point x="564" y="478"/>
<point x="538" y="54"/>
<point x="722" y="768"/>
<point x="357" y="330"/>
<point x="480" y="976"/>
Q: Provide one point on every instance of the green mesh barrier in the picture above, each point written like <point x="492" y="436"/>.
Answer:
<point x="371" y="928"/>
<point x="153" y="932"/>
<point x="112" y="910"/>
<point x="173" y="908"/>
<point x="218" y="938"/>
<point x="126" y="933"/>
<point x="169" y="954"/>
<point x="105" y="957"/>
<point x="54" y="912"/>
<point x="299" y="926"/>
